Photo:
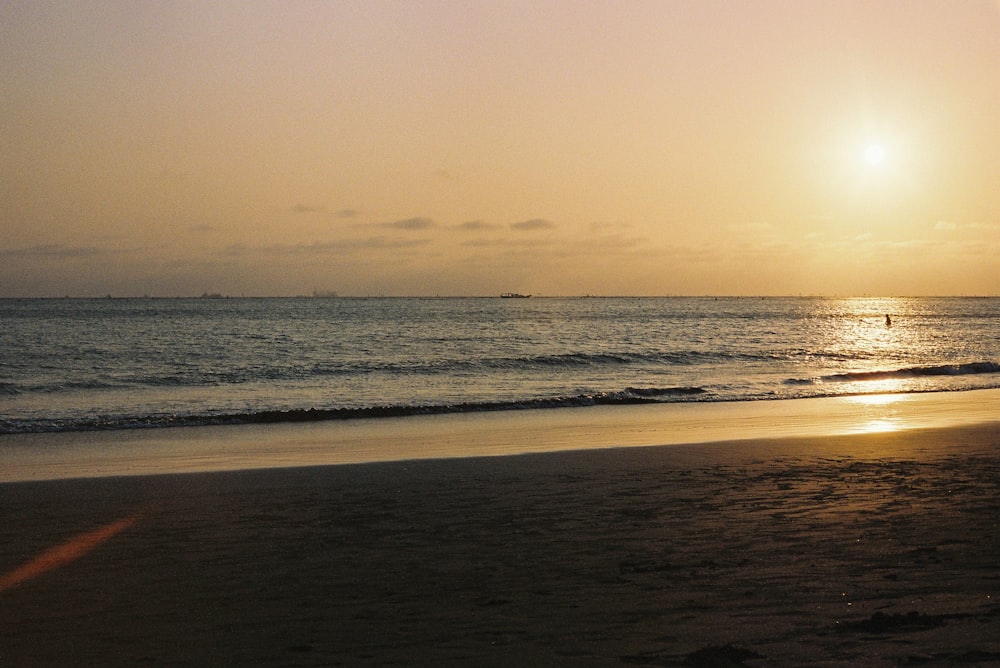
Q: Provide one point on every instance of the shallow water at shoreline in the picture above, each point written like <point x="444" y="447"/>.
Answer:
<point x="238" y="447"/>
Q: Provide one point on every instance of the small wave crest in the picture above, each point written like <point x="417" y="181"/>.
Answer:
<point x="968" y="369"/>
<point x="629" y="395"/>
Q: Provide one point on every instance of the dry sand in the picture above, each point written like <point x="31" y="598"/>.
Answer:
<point x="877" y="550"/>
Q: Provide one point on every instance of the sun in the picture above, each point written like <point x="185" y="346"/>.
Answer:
<point x="874" y="154"/>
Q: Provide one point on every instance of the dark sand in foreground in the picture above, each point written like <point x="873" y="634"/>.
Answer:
<point x="872" y="550"/>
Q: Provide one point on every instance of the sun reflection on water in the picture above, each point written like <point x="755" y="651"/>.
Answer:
<point x="880" y="411"/>
<point x="881" y="392"/>
<point x="880" y="325"/>
<point x="878" y="426"/>
<point x="876" y="342"/>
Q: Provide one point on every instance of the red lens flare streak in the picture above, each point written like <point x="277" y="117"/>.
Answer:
<point x="65" y="553"/>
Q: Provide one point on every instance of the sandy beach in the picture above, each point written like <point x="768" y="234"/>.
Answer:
<point x="874" y="549"/>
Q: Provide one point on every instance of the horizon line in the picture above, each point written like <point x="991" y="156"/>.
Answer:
<point x="219" y="296"/>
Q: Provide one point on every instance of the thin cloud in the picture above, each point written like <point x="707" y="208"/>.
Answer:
<point x="533" y="224"/>
<point x="326" y="247"/>
<point x="376" y="243"/>
<point x="305" y="208"/>
<point x="411" y="224"/>
<point x="319" y="209"/>
<point x="507" y="243"/>
<point x="607" y="242"/>
<point x="477" y="226"/>
<point x="604" y="226"/>
<point x="55" y="251"/>
<point x="949" y="226"/>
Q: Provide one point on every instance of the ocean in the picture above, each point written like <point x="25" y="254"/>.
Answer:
<point x="106" y="364"/>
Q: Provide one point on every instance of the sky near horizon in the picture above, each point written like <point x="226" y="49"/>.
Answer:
<point x="835" y="147"/>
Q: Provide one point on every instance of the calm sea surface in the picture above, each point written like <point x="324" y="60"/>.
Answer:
<point x="78" y="364"/>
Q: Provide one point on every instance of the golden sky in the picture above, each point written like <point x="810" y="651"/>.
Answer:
<point x="475" y="147"/>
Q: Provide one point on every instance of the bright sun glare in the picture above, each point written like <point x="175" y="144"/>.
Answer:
<point x="874" y="154"/>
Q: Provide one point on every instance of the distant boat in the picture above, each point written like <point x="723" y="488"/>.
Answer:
<point x="513" y="295"/>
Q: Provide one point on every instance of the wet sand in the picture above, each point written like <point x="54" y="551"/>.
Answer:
<point x="874" y="549"/>
<point x="241" y="447"/>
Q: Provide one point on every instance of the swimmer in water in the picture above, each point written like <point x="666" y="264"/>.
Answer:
<point x="888" y="320"/>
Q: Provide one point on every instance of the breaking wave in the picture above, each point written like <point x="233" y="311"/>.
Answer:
<point x="969" y="369"/>
<point x="627" y="396"/>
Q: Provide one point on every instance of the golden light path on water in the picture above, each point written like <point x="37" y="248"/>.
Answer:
<point x="884" y="418"/>
<point x="879" y="397"/>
